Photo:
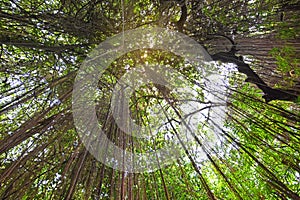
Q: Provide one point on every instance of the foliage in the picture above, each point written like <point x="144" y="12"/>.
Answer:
<point x="43" y="44"/>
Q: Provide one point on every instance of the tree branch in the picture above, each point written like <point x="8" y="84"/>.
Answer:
<point x="270" y="94"/>
<point x="183" y="17"/>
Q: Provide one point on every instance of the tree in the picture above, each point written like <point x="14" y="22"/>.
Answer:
<point x="43" y="44"/>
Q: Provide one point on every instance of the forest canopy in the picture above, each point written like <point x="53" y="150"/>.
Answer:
<point x="231" y="119"/>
